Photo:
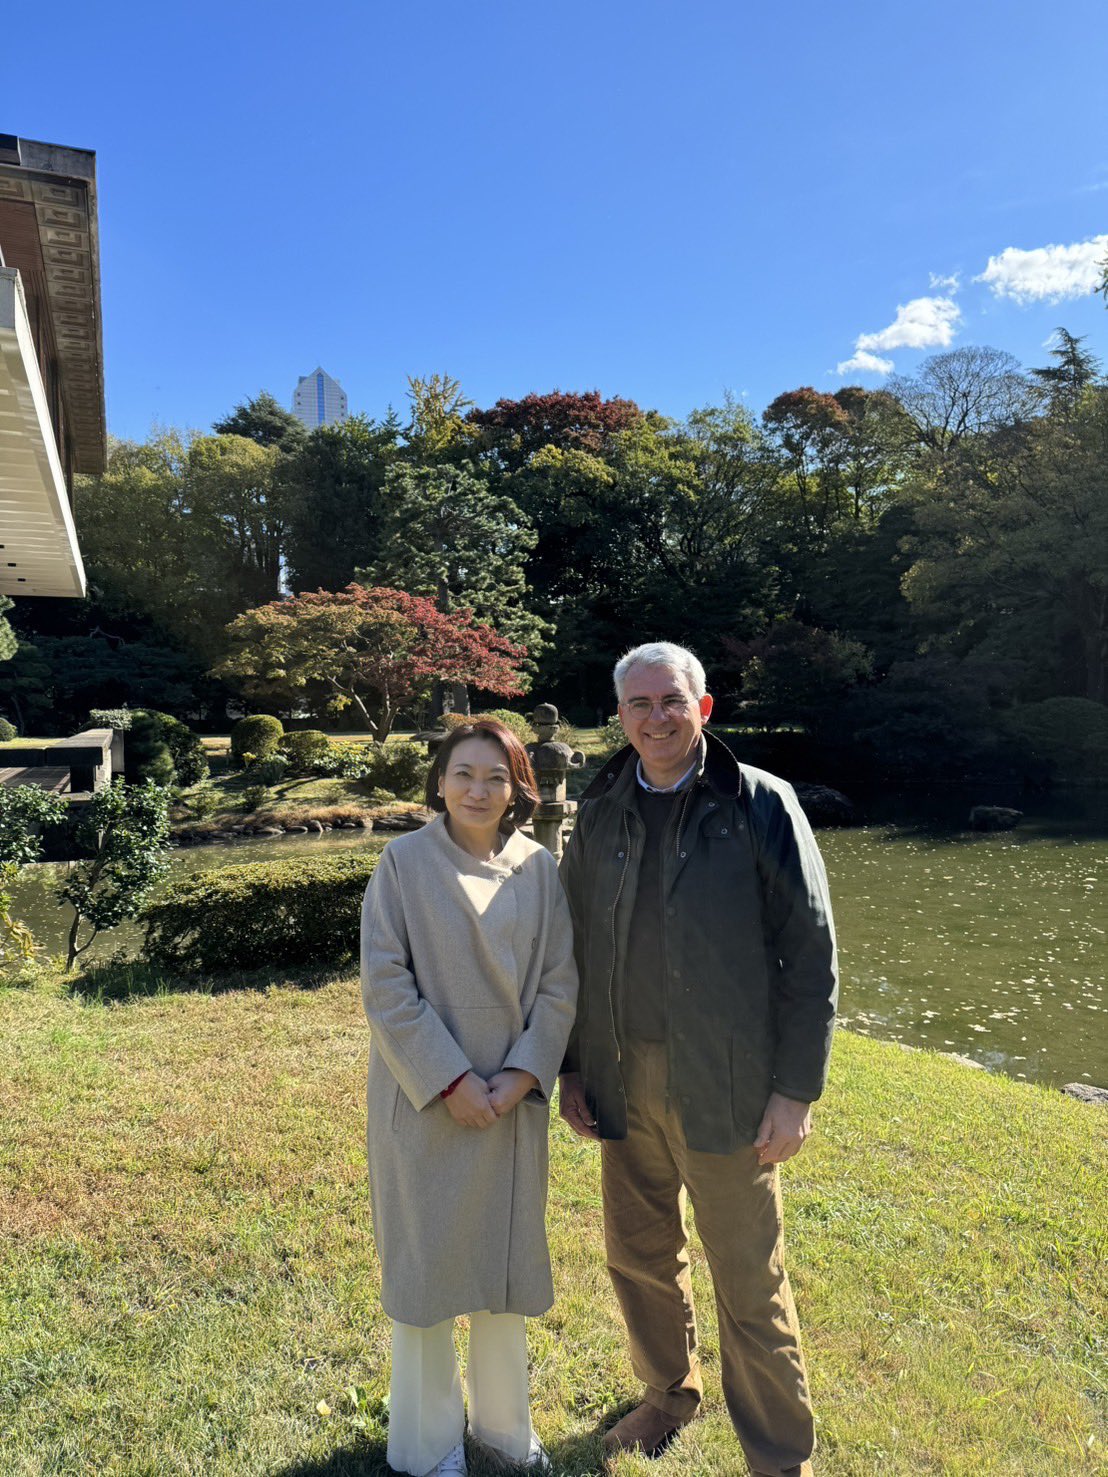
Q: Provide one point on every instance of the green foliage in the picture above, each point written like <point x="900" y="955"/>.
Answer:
<point x="307" y="750"/>
<point x="265" y="421"/>
<point x="400" y="769"/>
<point x="269" y="771"/>
<point x="8" y="639"/>
<point x="146" y="752"/>
<point x="330" y="499"/>
<point x="7" y="731"/>
<point x="288" y="912"/>
<point x="124" y="829"/>
<point x="1067" y="735"/>
<point x="514" y="722"/>
<point x="446" y="535"/>
<point x="119" y="719"/>
<point x="611" y="738"/>
<point x="190" y="763"/>
<point x="260" y="734"/>
<point x="253" y="796"/>
<point x="798" y="674"/>
<point x="25" y="811"/>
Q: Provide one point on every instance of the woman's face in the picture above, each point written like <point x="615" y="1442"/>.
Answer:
<point x="477" y="784"/>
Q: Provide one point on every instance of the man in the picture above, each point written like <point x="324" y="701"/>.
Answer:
<point x="708" y="987"/>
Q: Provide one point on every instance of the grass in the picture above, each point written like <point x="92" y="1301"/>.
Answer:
<point x="188" y="1282"/>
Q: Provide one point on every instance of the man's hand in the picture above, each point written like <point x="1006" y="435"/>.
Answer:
<point x="573" y="1106"/>
<point x="470" y="1103"/>
<point x="508" y="1088"/>
<point x="785" y="1125"/>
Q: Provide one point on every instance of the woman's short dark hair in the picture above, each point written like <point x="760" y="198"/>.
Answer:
<point x="519" y="767"/>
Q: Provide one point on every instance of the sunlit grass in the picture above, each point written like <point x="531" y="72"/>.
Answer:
<point x="186" y="1269"/>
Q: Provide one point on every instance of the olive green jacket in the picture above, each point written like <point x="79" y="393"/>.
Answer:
<point x="749" y="947"/>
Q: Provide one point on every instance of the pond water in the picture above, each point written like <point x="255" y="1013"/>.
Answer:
<point x="991" y="946"/>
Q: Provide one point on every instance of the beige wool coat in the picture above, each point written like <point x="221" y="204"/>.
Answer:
<point x="465" y="964"/>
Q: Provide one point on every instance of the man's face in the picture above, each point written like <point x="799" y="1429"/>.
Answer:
<point x="662" y="720"/>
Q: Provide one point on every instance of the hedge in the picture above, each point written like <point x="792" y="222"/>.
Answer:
<point x="258" y="735"/>
<point x="288" y="912"/>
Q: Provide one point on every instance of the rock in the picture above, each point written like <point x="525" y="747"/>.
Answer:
<point x="365" y="821"/>
<point x="323" y="826"/>
<point x="315" y="826"/>
<point x="402" y="820"/>
<point x="296" y="830"/>
<point x="963" y="1061"/>
<point x="1085" y="1092"/>
<point x="347" y="826"/>
<point x="824" y="806"/>
<point x="993" y="818"/>
<point x="269" y="831"/>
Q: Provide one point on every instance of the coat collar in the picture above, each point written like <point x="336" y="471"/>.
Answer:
<point x="616" y="781"/>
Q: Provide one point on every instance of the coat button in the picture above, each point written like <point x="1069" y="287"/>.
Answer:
<point x="620" y="855"/>
<point x="723" y="830"/>
<point x="684" y="853"/>
<point x="711" y="805"/>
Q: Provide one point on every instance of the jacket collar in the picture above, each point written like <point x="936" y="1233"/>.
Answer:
<point x="616" y="781"/>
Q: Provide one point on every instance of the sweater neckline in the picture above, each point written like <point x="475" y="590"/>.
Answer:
<point x="508" y="859"/>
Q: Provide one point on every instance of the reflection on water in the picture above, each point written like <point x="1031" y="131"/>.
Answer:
<point x="990" y="946"/>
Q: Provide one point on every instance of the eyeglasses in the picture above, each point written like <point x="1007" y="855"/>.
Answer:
<point x="674" y="706"/>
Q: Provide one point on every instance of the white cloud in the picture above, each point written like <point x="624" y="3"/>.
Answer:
<point x="924" y="323"/>
<point x="945" y="284"/>
<point x="1046" y="273"/>
<point x="863" y="363"/>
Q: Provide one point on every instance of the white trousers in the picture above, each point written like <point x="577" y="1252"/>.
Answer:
<point x="426" y="1412"/>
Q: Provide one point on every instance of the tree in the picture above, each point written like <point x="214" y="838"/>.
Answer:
<point x="795" y="673"/>
<point x="445" y="535"/>
<point x="331" y="500"/>
<point x="1017" y="567"/>
<point x="124" y="828"/>
<point x="515" y="430"/>
<point x="265" y="421"/>
<point x="1065" y="382"/>
<point x="230" y="482"/>
<point x="962" y="395"/>
<point x="376" y="650"/>
<point x="438" y="429"/>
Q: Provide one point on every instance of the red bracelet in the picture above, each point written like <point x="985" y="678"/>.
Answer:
<point x="448" y="1090"/>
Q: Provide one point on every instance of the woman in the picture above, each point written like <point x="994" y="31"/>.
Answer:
<point x="470" y="989"/>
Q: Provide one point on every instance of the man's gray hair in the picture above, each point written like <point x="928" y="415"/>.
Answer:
<point x="661" y="654"/>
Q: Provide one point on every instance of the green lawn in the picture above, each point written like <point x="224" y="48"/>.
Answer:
<point x="188" y="1285"/>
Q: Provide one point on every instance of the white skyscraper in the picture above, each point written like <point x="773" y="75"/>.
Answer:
<point x="319" y="400"/>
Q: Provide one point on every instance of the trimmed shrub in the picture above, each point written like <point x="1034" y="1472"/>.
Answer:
<point x="7" y="731"/>
<point x="269" y="771"/>
<point x="294" y="912"/>
<point x="306" y="750"/>
<point x="148" y="732"/>
<point x="146" y="753"/>
<point x="514" y="722"/>
<point x="398" y="768"/>
<point x="117" y="718"/>
<point x="258" y="735"/>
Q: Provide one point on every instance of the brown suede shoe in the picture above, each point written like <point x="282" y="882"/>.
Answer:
<point x="646" y="1429"/>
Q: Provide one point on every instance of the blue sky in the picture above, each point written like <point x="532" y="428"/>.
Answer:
<point x="658" y="200"/>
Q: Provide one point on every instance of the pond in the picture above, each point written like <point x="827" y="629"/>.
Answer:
<point x="991" y="946"/>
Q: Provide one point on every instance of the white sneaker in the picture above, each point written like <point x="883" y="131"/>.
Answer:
<point x="453" y="1464"/>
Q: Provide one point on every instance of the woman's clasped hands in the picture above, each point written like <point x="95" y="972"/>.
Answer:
<point x="475" y="1103"/>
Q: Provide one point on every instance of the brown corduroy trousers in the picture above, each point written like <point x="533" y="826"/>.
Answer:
<point x="647" y="1180"/>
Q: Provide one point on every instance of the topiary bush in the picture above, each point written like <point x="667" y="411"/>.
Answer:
<point x="146" y="754"/>
<point x="288" y="912"/>
<point x="258" y="735"/>
<point x="148" y="734"/>
<point x="398" y="768"/>
<point x="267" y="772"/>
<point x="306" y="750"/>
<point x="7" y="731"/>
<point x="514" y="722"/>
<point x="117" y="718"/>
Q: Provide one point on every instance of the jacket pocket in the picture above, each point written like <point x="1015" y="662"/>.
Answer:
<point x="396" y="1108"/>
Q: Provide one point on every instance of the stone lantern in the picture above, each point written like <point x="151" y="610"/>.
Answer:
<point x="551" y="761"/>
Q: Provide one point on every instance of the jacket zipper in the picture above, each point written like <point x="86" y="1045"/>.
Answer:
<point x="615" y="905"/>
